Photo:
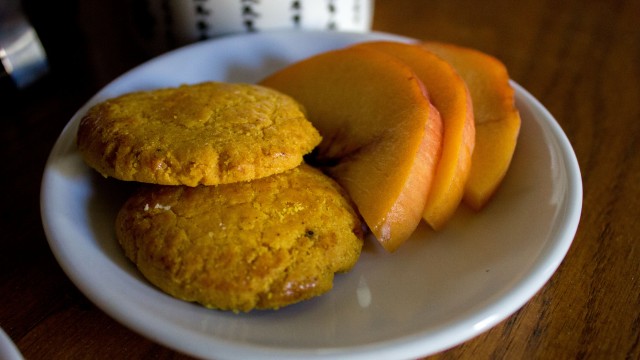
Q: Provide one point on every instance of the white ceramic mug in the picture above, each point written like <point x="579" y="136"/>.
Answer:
<point x="165" y="24"/>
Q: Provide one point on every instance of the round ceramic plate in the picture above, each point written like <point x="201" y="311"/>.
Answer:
<point x="8" y="350"/>
<point x="438" y="290"/>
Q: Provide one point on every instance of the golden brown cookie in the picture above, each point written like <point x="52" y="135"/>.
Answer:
<point x="262" y="244"/>
<point x="209" y="133"/>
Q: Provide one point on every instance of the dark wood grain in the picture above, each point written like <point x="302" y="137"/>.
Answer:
<point x="580" y="58"/>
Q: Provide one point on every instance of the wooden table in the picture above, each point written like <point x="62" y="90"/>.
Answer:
<point x="580" y="58"/>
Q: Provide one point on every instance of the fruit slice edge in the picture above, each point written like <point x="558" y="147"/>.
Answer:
<point x="449" y="94"/>
<point x="378" y="126"/>
<point x="496" y="118"/>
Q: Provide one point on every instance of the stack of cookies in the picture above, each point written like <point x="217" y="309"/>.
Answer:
<point x="228" y="214"/>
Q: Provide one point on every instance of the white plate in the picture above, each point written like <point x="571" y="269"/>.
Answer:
<point x="8" y="350"/>
<point x="436" y="291"/>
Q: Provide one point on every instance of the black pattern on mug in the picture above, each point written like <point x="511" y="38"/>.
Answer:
<point x="331" y="6"/>
<point x="296" y="13"/>
<point x="249" y="15"/>
<point x="202" y="12"/>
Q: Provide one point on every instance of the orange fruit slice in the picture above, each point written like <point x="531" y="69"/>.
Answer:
<point x="496" y="118"/>
<point x="449" y="94"/>
<point x="381" y="135"/>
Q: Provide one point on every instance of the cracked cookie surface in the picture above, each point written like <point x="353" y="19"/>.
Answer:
<point x="262" y="244"/>
<point x="203" y="134"/>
